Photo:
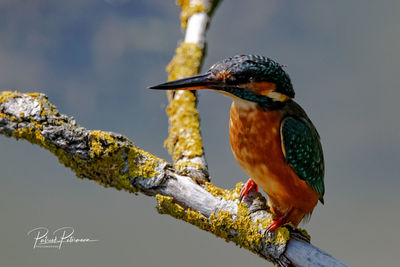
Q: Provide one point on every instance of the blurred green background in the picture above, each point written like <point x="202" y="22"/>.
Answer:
<point x="94" y="60"/>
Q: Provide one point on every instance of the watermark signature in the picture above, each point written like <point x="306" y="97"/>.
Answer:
<point x="59" y="238"/>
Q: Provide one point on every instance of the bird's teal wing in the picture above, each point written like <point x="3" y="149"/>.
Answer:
<point x="303" y="152"/>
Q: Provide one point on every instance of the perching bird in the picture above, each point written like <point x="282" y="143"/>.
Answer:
<point x="271" y="136"/>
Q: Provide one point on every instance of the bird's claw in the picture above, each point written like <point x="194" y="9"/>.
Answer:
<point x="274" y="225"/>
<point x="248" y="186"/>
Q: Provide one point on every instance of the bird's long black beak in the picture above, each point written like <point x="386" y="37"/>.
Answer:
<point x="197" y="82"/>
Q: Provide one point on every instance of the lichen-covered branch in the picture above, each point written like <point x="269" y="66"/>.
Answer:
<point x="107" y="158"/>
<point x="112" y="160"/>
<point x="184" y="141"/>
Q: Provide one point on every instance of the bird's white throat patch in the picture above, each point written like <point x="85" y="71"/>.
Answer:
<point x="244" y="104"/>
<point x="278" y="97"/>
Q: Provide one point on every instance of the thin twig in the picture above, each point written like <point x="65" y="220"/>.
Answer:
<point x="184" y="141"/>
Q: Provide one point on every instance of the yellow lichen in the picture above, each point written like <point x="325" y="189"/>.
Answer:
<point x="27" y="134"/>
<point x="186" y="61"/>
<point x="39" y="136"/>
<point x="241" y="230"/>
<point x="108" y="160"/>
<point x="101" y="143"/>
<point x="184" y="133"/>
<point x="34" y="95"/>
<point x="247" y="232"/>
<point x="109" y="165"/>
<point x="5" y="95"/>
<point x="52" y="109"/>
<point x="182" y="165"/>
<point x="231" y="194"/>
<point x="281" y="234"/>
<point x="167" y="206"/>
<point x="145" y="169"/>
<point x="189" y="8"/>
<point x="196" y="218"/>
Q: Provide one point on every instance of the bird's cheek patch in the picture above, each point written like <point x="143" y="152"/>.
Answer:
<point x="260" y="88"/>
<point x="267" y="89"/>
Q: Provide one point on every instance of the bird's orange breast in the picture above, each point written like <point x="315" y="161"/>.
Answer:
<point x="256" y="144"/>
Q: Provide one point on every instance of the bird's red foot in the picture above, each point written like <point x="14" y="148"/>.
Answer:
<point x="248" y="186"/>
<point x="275" y="224"/>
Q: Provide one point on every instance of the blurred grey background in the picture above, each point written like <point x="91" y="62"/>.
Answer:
<point x="94" y="60"/>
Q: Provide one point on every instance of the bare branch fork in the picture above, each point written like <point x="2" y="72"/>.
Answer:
<point x="112" y="160"/>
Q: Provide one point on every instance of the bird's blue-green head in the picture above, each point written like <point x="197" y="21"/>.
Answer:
<point x="248" y="77"/>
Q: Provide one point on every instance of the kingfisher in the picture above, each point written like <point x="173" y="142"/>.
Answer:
<point x="271" y="136"/>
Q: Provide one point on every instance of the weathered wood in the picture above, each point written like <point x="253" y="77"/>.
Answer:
<point x="304" y="254"/>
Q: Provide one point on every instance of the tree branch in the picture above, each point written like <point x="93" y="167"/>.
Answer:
<point x="112" y="160"/>
<point x="184" y="141"/>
